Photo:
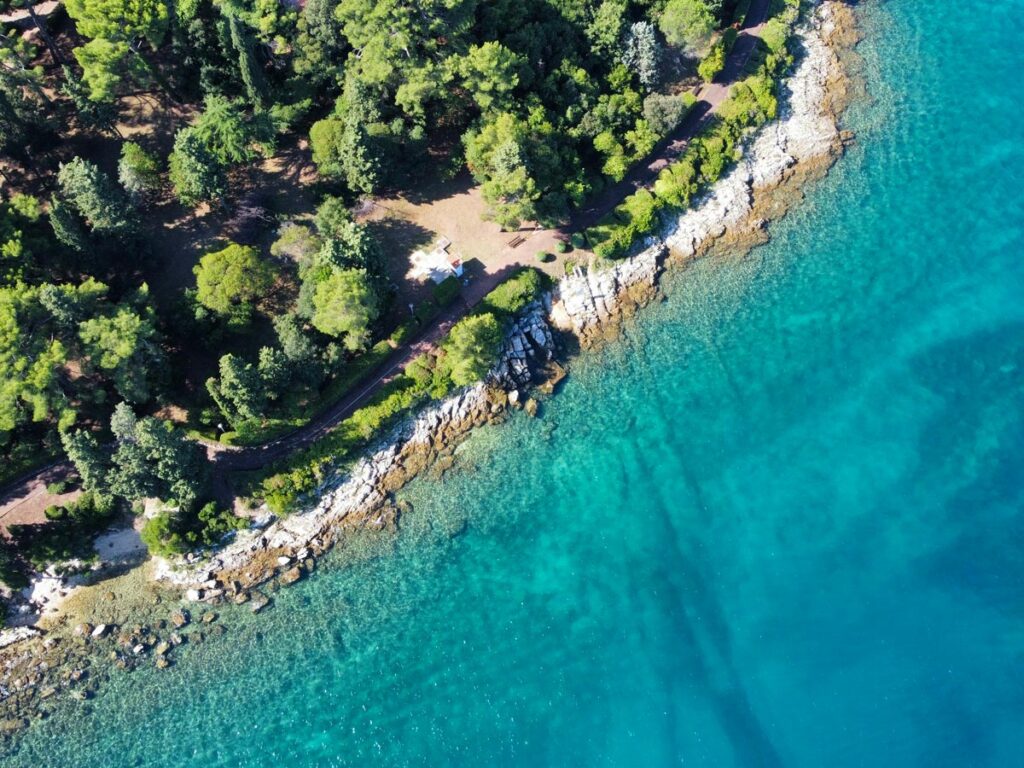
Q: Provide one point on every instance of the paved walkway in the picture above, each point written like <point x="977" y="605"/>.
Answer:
<point x="26" y="494"/>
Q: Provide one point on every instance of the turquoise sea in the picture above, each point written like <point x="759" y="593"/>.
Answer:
<point x="780" y="524"/>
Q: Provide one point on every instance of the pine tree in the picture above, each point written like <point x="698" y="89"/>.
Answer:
<point x="238" y="392"/>
<point x="642" y="53"/>
<point x="195" y="172"/>
<point x="91" y="462"/>
<point x="101" y="203"/>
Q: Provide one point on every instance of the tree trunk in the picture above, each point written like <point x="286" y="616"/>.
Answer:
<point x="45" y="34"/>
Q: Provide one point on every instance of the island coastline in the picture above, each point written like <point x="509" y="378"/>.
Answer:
<point x="587" y="309"/>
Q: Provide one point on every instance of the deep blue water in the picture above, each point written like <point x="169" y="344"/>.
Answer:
<point x="779" y="525"/>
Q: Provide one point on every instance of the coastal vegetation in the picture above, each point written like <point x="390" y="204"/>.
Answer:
<point x="751" y="102"/>
<point x="167" y="276"/>
<point x="465" y="355"/>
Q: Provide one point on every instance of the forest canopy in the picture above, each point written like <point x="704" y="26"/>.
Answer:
<point x="179" y="256"/>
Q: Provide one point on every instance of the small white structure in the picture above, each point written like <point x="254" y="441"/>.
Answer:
<point x="437" y="264"/>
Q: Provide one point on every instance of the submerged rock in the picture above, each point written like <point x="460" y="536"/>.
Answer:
<point x="259" y="602"/>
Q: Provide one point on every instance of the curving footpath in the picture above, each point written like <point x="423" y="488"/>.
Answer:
<point x="29" y="491"/>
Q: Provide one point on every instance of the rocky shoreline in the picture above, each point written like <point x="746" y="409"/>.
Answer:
<point x="587" y="307"/>
<point x="362" y="495"/>
<point x="802" y="144"/>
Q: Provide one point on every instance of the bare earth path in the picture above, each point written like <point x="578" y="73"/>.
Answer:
<point x="25" y="499"/>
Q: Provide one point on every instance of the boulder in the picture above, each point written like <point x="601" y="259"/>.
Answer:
<point x="162" y="648"/>
<point x="531" y="407"/>
<point x="83" y="630"/>
<point x="162" y="662"/>
<point x="180" y="618"/>
<point x="259" y="602"/>
<point x="210" y="617"/>
<point x="555" y="374"/>
<point x="101" y="630"/>
<point x="291" y="575"/>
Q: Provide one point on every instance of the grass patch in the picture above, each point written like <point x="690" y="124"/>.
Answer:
<point x="516" y="292"/>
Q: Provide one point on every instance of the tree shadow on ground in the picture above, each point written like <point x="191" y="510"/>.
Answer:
<point x="439" y="188"/>
<point x="399" y="236"/>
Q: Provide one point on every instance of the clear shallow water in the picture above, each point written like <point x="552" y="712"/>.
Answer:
<point x="779" y="526"/>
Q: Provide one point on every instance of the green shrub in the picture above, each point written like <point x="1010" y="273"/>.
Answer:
<point x="515" y="293"/>
<point x="173" y="533"/>
<point x="138" y="170"/>
<point x="159" y="536"/>
<point x="729" y="36"/>
<point x="713" y="63"/>
<point x="57" y="488"/>
<point x="774" y="35"/>
<point x="578" y="240"/>
<point x="471" y="348"/>
<point x="447" y="291"/>
<point x="12" y="571"/>
<point x="257" y="431"/>
<point x="562" y="247"/>
<point x="426" y="311"/>
<point x="401" y="334"/>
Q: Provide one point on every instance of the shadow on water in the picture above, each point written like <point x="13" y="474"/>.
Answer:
<point x="972" y="444"/>
<point x="703" y="629"/>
